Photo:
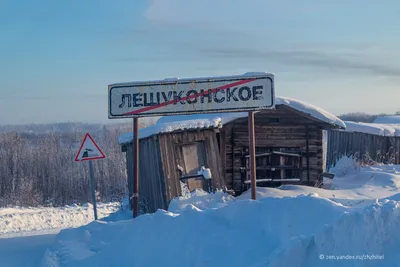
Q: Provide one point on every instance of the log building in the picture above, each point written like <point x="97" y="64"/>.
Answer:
<point x="289" y="149"/>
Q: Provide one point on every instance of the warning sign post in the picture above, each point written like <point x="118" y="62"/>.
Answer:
<point x="90" y="151"/>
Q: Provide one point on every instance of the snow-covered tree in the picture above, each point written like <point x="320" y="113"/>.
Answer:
<point x="39" y="168"/>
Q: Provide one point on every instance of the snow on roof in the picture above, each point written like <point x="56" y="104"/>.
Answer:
<point x="395" y="119"/>
<point x="201" y="121"/>
<point x="373" y="128"/>
<point x="311" y="110"/>
<point x="169" y="124"/>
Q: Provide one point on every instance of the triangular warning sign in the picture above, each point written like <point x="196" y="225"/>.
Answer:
<point x="89" y="150"/>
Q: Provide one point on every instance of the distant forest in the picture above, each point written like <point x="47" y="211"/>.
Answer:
<point x="37" y="163"/>
<point x="69" y="127"/>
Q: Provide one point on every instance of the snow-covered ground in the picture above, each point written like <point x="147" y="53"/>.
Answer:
<point x="26" y="233"/>
<point x="25" y="221"/>
<point x="353" y="222"/>
<point x="25" y="251"/>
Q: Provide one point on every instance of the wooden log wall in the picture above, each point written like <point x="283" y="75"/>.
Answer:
<point x="278" y="128"/>
<point x="383" y="149"/>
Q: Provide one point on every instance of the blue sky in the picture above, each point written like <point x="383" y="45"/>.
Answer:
<point x="57" y="57"/>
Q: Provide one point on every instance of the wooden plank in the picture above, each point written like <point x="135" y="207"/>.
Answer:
<point x="260" y="155"/>
<point x="223" y="154"/>
<point x="161" y="175"/>
<point x="165" y="160"/>
<point x="280" y="136"/>
<point x="275" y="180"/>
<point x="174" y="156"/>
<point x="282" y="162"/>
<point x="286" y="154"/>
<point x="214" y="161"/>
<point x="129" y="166"/>
<point x="232" y="142"/>
<point x="277" y="168"/>
<point x="151" y="183"/>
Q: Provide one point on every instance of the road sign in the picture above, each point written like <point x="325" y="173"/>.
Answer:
<point x="89" y="150"/>
<point x="248" y="92"/>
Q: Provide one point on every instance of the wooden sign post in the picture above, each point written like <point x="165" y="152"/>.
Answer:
<point x="252" y="151"/>
<point x="135" y="147"/>
<point x="93" y="188"/>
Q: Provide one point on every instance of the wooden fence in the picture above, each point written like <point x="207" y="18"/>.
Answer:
<point x="366" y="147"/>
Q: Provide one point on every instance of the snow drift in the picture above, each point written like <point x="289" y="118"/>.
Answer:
<point x="288" y="226"/>
<point x="373" y="128"/>
<point x="195" y="237"/>
<point x="200" y="199"/>
<point x="369" y="237"/>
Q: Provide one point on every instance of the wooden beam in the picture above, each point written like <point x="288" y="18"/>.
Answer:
<point x="135" y="150"/>
<point x="233" y="156"/>
<point x="274" y="180"/>
<point x="308" y="155"/>
<point x="252" y="148"/>
<point x="222" y="152"/>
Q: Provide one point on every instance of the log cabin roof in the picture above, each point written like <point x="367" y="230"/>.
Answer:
<point x="169" y="124"/>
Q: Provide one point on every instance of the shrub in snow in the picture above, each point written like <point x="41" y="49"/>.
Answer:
<point x="143" y="205"/>
<point x="388" y="158"/>
<point x="98" y="196"/>
<point x="345" y="165"/>
<point x="185" y="192"/>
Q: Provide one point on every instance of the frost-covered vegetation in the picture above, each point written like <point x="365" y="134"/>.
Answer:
<point x="37" y="164"/>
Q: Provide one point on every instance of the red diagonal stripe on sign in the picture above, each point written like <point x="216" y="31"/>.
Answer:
<point x="224" y="87"/>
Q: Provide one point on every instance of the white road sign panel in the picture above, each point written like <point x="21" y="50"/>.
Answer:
<point x="253" y="91"/>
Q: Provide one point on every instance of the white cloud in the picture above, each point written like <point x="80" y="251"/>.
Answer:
<point x="285" y="32"/>
<point x="207" y="14"/>
<point x="253" y="14"/>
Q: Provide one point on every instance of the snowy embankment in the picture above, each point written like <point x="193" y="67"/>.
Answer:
<point x="356" y="216"/>
<point x="23" y="220"/>
<point x="393" y="119"/>
<point x="373" y="128"/>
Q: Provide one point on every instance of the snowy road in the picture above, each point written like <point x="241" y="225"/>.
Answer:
<point x="24" y="251"/>
<point x="26" y="233"/>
